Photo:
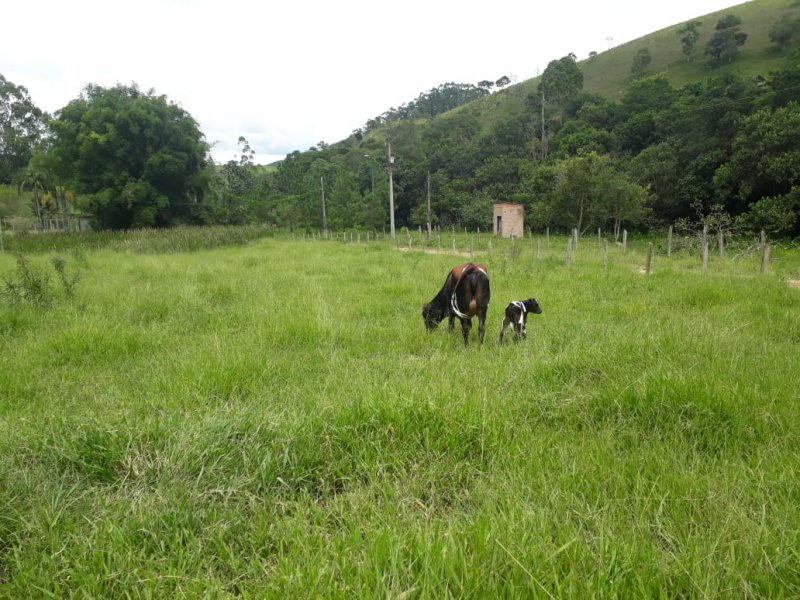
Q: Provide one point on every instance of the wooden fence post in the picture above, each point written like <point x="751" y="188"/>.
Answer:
<point x="649" y="257"/>
<point x="705" y="255"/>
<point x="765" y="258"/>
<point x="605" y="255"/>
<point x="598" y="238"/>
<point x="547" y="233"/>
<point x="568" y="257"/>
<point x="669" y="242"/>
<point x="624" y="241"/>
<point x="721" y="242"/>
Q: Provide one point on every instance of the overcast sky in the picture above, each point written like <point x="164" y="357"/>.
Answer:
<point x="289" y="74"/>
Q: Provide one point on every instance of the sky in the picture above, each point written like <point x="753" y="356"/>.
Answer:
<point x="287" y="75"/>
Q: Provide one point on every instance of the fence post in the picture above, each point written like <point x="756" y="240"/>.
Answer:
<point x="624" y="241"/>
<point x="598" y="238"/>
<point x="2" y="248"/>
<point x="765" y="258"/>
<point x="669" y="242"/>
<point x="538" y="247"/>
<point x="568" y="257"/>
<point x="605" y="254"/>
<point x="705" y="255"/>
<point x="721" y="241"/>
<point x="649" y="257"/>
<point x="547" y="233"/>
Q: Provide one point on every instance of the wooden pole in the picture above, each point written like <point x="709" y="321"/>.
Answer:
<point x="705" y="256"/>
<point x="324" y="217"/>
<point x="765" y="258"/>
<point x="649" y="257"/>
<point x="669" y="241"/>
<point x="598" y="238"/>
<point x="429" y="204"/>
<point x="568" y="257"/>
<point x="721" y="242"/>
<point x="605" y="254"/>
<point x="624" y="241"/>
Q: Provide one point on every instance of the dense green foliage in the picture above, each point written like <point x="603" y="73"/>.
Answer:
<point x="22" y="126"/>
<point x="435" y="102"/>
<point x="137" y="158"/>
<point x="180" y="429"/>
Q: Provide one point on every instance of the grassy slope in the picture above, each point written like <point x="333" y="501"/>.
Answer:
<point x="273" y="420"/>
<point x="609" y="72"/>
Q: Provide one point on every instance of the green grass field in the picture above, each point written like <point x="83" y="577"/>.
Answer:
<point x="272" y="420"/>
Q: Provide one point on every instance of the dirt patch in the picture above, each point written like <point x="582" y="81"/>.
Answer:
<point x="433" y="251"/>
<point x="795" y="283"/>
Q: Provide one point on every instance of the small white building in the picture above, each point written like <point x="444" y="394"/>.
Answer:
<point x="508" y="220"/>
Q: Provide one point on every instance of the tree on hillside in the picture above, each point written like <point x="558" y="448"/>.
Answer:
<point x="724" y="44"/>
<point x="689" y="36"/>
<point x="139" y="158"/>
<point x="641" y="61"/>
<point x="22" y="127"/>
<point x="503" y="81"/>
<point x="561" y="80"/>
<point x="784" y="32"/>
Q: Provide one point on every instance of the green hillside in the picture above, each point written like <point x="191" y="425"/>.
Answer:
<point x="609" y="72"/>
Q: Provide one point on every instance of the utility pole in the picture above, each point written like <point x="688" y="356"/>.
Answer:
<point x="429" y="204"/>
<point x="324" y="218"/>
<point x="544" y="148"/>
<point x="391" y="185"/>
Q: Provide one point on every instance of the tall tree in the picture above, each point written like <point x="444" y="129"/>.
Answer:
<point x="784" y="32"/>
<point x="22" y="127"/>
<point x="724" y="44"/>
<point x="689" y="35"/>
<point x="561" y="79"/>
<point x="139" y="158"/>
<point x="641" y="60"/>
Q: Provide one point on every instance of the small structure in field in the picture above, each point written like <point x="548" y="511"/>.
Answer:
<point x="508" y="220"/>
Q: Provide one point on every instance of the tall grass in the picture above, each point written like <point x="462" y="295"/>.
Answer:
<point x="273" y="420"/>
<point x="176" y="239"/>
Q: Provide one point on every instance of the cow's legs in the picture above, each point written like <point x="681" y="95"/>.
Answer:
<point x="506" y="322"/>
<point x="466" y="325"/>
<point x="451" y="319"/>
<point x="481" y="324"/>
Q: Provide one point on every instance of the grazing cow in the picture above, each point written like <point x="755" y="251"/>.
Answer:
<point x="517" y="316"/>
<point x="465" y="294"/>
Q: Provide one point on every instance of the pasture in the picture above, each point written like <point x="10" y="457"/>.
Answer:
<point x="272" y="420"/>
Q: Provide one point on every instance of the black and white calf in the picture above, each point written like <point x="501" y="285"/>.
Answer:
<point x="517" y="316"/>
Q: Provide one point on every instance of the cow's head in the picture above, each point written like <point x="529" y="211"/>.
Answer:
<point x="432" y="316"/>
<point x="533" y="306"/>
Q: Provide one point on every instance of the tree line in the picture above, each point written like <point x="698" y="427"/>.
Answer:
<point x="660" y="154"/>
